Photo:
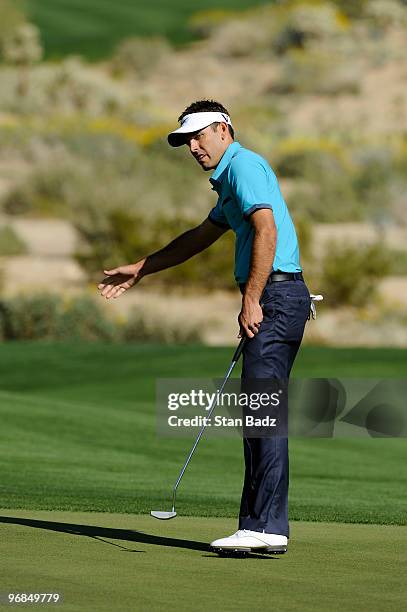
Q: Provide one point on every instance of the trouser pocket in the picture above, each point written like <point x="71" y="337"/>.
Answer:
<point x="286" y="310"/>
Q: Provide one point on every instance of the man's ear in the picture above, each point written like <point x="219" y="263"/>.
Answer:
<point x="223" y="129"/>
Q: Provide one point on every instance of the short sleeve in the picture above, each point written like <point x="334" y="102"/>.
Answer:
<point x="217" y="216"/>
<point x="252" y="185"/>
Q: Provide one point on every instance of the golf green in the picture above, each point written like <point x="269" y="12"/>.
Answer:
<point x="104" y="562"/>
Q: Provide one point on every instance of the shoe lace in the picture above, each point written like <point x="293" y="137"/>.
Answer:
<point x="241" y="533"/>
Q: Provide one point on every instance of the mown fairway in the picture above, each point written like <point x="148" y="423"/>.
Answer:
<point x="92" y="28"/>
<point x="79" y="433"/>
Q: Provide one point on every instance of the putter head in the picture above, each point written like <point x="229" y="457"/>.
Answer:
<point x="163" y="516"/>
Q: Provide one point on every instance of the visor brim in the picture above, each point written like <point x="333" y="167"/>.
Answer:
<point x="177" y="139"/>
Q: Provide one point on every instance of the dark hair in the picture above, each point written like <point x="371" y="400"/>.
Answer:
<point x="205" y="106"/>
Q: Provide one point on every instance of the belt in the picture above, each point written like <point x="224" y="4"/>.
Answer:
<point x="278" y="275"/>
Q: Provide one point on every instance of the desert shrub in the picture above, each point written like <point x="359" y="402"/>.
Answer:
<point x="386" y="13"/>
<point x="44" y="190"/>
<point x="72" y="86"/>
<point x="303" y="228"/>
<point x="22" y="46"/>
<point x="19" y="200"/>
<point x="298" y="157"/>
<point x="398" y="262"/>
<point x="350" y="274"/>
<point x="328" y="198"/>
<point x="240" y="38"/>
<point x="12" y="17"/>
<point x="400" y="156"/>
<point x="302" y="23"/>
<point x="83" y="175"/>
<point x="30" y="317"/>
<point x="374" y="165"/>
<point x="83" y="319"/>
<point x="354" y="9"/>
<point x="10" y="242"/>
<point x="138" y="56"/>
<point x="68" y="87"/>
<point x="204" y="23"/>
<point x="323" y="189"/>
<point x="143" y="327"/>
<point x="335" y="182"/>
<point x="317" y="72"/>
<point x="101" y="146"/>
<point x="129" y="236"/>
<point x="47" y="316"/>
<point x="374" y="172"/>
<point x="270" y="30"/>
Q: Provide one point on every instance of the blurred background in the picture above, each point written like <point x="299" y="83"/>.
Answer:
<point x="88" y="93"/>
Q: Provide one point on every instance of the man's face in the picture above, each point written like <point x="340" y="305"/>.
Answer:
<point x="207" y="146"/>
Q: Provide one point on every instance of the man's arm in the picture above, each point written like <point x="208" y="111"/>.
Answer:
<point x="185" y="246"/>
<point x="262" y="258"/>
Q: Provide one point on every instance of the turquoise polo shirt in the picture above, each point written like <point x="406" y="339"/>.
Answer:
<point x="245" y="182"/>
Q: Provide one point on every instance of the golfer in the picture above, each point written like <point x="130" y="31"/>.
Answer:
<point x="267" y="267"/>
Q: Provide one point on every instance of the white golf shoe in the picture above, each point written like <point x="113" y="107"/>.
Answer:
<point x="247" y="541"/>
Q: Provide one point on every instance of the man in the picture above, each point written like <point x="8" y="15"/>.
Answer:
<point x="266" y="267"/>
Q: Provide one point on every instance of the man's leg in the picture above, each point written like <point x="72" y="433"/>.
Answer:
<point x="270" y="355"/>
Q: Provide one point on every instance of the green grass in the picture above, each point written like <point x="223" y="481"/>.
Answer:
<point x="92" y="28"/>
<point x="78" y="433"/>
<point x="80" y="460"/>
<point x="104" y="562"/>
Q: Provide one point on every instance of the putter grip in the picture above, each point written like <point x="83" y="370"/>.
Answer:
<point x="239" y="349"/>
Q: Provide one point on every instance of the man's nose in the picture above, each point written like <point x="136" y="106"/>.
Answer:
<point x="193" y="145"/>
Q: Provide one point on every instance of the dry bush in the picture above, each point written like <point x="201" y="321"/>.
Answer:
<point x="350" y="275"/>
<point x="144" y="326"/>
<point x="139" y="56"/>
<point x="272" y="30"/>
<point x="204" y="23"/>
<point x="10" y="242"/>
<point x="12" y="17"/>
<point x="68" y="88"/>
<point x="48" y="316"/>
<point x="239" y="38"/>
<point x="314" y="72"/>
<point x="386" y="14"/>
<point x="302" y="25"/>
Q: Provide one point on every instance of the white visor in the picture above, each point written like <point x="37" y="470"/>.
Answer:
<point x="193" y="123"/>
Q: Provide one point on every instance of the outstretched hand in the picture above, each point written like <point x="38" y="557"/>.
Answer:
<point x="118" y="280"/>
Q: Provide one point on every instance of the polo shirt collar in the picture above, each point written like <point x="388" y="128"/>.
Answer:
<point x="217" y="175"/>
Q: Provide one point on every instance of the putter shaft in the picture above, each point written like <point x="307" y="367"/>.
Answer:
<point x="235" y="359"/>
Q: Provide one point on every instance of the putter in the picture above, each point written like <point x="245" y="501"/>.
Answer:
<point x="160" y="514"/>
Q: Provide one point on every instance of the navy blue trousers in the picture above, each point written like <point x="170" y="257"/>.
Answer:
<point x="271" y="354"/>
